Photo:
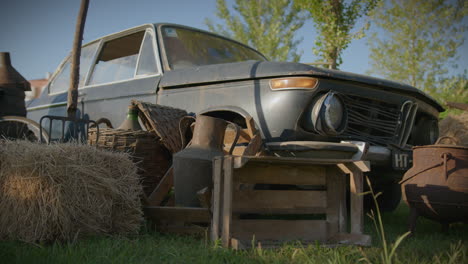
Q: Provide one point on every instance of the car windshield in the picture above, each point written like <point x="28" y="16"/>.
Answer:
<point x="188" y="48"/>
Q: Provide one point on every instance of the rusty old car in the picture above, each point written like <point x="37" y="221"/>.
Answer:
<point x="301" y="110"/>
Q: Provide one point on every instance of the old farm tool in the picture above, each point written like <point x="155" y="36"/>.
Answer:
<point x="436" y="187"/>
<point x="193" y="165"/>
<point x="73" y="127"/>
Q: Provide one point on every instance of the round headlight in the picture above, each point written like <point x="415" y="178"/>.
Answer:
<point x="425" y="132"/>
<point x="328" y="115"/>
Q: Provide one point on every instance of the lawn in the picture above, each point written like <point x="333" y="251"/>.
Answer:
<point x="429" y="245"/>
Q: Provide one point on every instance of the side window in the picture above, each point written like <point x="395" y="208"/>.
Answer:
<point x="62" y="80"/>
<point x="86" y="58"/>
<point x="117" y="59"/>
<point x="147" y="61"/>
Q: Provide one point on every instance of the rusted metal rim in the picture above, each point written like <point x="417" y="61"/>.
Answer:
<point x="441" y="146"/>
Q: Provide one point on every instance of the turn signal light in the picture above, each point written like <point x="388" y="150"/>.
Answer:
<point x="294" y="83"/>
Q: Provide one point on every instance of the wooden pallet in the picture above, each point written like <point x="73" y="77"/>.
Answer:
<point x="325" y="200"/>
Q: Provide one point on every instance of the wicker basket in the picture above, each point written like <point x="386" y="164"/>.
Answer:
<point x="146" y="149"/>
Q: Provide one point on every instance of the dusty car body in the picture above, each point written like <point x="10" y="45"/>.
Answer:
<point x="300" y="110"/>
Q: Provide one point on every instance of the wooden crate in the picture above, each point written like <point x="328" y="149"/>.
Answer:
<point x="241" y="215"/>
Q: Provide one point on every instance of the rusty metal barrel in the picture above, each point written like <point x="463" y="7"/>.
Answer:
<point x="436" y="187"/>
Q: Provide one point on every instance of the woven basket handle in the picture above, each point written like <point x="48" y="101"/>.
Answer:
<point x="183" y="126"/>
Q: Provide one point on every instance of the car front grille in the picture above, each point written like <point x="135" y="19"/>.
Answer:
<point x="377" y="122"/>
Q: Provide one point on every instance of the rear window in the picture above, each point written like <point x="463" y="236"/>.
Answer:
<point x="189" y="48"/>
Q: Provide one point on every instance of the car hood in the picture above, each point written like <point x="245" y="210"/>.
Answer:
<point x="257" y="70"/>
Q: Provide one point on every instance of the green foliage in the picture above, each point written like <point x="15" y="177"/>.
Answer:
<point x="452" y="89"/>
<point x="334" y="21"/>
<point x="388" y="253"/>
<point x="417" y="41"/>
<point x="267" y="25"/>
<point x="427" y="247"/>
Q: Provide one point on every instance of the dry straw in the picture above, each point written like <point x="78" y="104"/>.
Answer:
<point x="66" y="191"/>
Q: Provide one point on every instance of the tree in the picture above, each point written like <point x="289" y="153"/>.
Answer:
<point x="267" y="25"/>
<point x="417" y="41"/>
<point x="334" y="20"/>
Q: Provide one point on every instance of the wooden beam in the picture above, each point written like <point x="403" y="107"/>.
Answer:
<point x="333" y="201"/>
<point x="178" y="214"/>
<point x="284" y="230"/>
<point x="355" y="239"/>
<point x="281" y="174"/>
<point x="217" y="197"/>
<point x="163" y="188"/>
<point x="227" y="201"/>
<point x="356" y="199"/>
<point x="272" y="201"/>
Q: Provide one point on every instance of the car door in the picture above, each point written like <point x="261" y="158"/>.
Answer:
<point x="127" y="67"/>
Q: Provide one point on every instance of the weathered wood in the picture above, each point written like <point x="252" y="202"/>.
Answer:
<point x="217" y="197"/>
<point x="240" y="162"/>
<point x="282" y="230"/>
<point x="238" y="150"/>
<point x="178" y="214"/>
<point x="230" y="135"/>
<point x="163" y="188"/>
<point x="254" y="146"/>
<point x="355" y="239"/>
<point x="333" y="201"/>
<point x="268" y="201"/>
<point x="182" y="229"/>
<point x="251" y="126"/>
<point x="356" y="200"/>
<point x="227" y="201"/>
<point x="281" y="174"/>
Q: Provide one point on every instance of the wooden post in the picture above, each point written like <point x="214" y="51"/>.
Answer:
<point x="216" y="203"/>
<point x="227" y="201"/>
<point x="355" y="170"/>
<point x="333" y="202"/>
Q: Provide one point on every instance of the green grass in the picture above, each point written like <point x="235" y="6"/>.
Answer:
<point x="428" y="246"/>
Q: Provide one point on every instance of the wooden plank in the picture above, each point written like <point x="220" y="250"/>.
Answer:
<point x="182" y="229"/>
<point x="333" y="201"/>
<point x="282" y="230"/>
<point x="356" y="200"/>
<point x="230" y="135"/>
<point x="351" y="239"/>
<point x="250" y="126"/>
<point x="343" y="210"/>
<point x="280" y="174"/>
<point x="163" y="188"/>
<point x="216" y="205"/>
<point x="291" y="161"/>
<point x="269" y="201"/>
<point x="178" y="214"/>
<point x="254" y="146"/>
<point x="227" y="201"/>
<point x="238" y="150"/>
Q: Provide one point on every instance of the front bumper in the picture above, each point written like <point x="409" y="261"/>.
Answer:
<point x="354" y="150"/>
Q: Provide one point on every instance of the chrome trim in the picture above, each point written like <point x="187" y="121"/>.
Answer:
<point x="408" y="111"/>
<point x="46" y="106"/>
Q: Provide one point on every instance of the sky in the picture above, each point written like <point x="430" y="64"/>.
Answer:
<point x="39" y="33"/>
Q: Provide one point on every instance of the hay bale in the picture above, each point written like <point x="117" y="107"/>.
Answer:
<point x="65" y="191"/>
<point x="455" y="126"/>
